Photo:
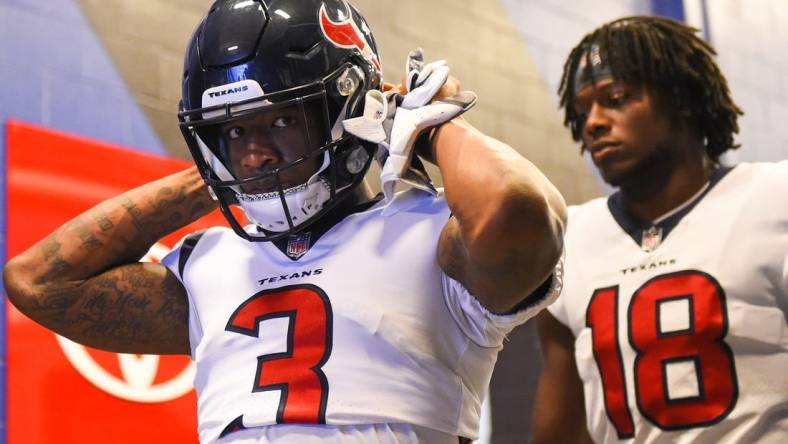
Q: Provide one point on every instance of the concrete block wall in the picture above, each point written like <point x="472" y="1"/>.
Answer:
<point x="146" y="40"/>
<point x="486" y="52"/>
<point x="551" y="28"/>
<point x="752" y="42"/>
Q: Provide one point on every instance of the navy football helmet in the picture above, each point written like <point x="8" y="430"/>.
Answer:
<point x="273" y="80"/>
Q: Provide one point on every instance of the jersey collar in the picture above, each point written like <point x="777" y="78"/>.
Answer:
<point x="640" y="230"/>
<point x="298" y="244"/>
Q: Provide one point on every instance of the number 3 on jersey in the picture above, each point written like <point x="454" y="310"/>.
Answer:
<point x="693" y="345"/>
<point x="296" y="372"/>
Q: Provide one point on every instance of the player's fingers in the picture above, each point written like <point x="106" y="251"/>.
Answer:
<point x="400" y="89"/>
<point x="451" y="88"/>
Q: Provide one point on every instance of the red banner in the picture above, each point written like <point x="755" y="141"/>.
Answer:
<point x="58" y="391"/>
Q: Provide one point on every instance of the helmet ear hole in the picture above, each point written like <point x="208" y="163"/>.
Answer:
<point x="357" y="160"/>
<point x="353" y="162"/>
<point x="350" y="81"/>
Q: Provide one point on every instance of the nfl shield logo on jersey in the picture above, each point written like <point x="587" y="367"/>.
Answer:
<point x="651" y="239"/>
<point x="298" y="244"/>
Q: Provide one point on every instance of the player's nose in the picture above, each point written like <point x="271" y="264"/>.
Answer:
<point x="259" y="159"/>
<point x="597" y="122"/>
<point x="256" y="157"/>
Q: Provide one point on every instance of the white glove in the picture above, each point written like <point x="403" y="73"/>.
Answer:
<point x="395" y="128"/>
<point x="423" y="82"/>
<point x="375" y="124"/>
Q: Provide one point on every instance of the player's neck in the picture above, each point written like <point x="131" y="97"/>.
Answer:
<point x="362" y="193"/>
<point x="652" y="195"/>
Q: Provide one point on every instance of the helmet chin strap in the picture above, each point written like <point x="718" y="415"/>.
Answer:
<point x="303" y="201"/>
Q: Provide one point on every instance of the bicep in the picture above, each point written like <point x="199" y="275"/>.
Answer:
<point x="135" y="308"/>
<point x="499" y="284"/>
<point x="559" y="409"/>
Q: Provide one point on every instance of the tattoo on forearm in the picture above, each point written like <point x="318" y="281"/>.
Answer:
<point x="119" y="316"/>
<point x="121" y="307"/>
<point x="101" y="218"/>
<point x="56" y="304"/>
<point x="168" y="212"/>
<point x="133" y="210"/>
<point x="171" y="310"/>
<point x="50" y="247"/>
<point x="89" y="241"/>
<point x="168" y="196"/>
<point x="197" y="210"/>
<point x="84" y="282"/>
<point x="56" y="267"/>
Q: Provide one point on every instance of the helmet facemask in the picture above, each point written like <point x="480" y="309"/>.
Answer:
<point x="281" y="157"/>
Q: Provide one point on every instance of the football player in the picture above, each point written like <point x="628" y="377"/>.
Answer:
<point x="332" y="315"/>
<point x="672" y="323"/>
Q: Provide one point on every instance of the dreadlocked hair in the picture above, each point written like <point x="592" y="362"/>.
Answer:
<point x="669" y="57"/>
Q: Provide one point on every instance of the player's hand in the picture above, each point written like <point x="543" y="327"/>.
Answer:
<point x="395" y="121"/>
<point x="398" y="88"/>
<point x="427" y="83"/>
<point x="451" y="88"/>
<point x="414" y="67"/>
<point x="435" y="97"/>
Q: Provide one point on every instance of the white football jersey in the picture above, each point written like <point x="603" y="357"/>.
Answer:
<point x="363" y="333"/>
<point x="680" y="326"/>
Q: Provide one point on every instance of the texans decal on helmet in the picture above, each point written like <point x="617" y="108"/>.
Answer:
<point x="345" y="34"/>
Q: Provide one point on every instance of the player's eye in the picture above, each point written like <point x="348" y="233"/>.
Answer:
<point x="617" y="98"/>
<point x="235" y="132"/>
<point x="284" y="122"/>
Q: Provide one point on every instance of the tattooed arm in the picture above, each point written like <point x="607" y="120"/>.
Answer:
<point x="84" y="280"/>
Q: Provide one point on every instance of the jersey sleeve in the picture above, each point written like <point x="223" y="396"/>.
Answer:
<point x="557" y="308"/>
<point x="772" y="197"/>
<point x="172" y="258"/>
<point x="488" y="329"/>
<point x="780" y="188"/>
<point x="175" y="261"/>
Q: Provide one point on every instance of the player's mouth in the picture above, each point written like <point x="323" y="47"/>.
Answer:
<point x="266" y="184"/>
<point x="603" y="149"/>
